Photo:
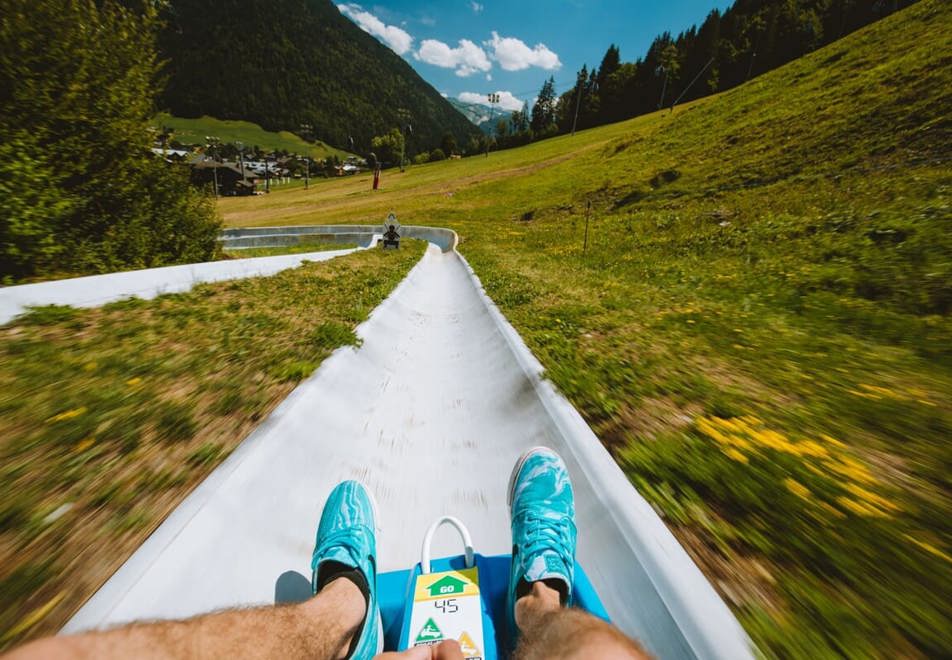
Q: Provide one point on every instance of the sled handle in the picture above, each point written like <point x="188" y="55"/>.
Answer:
<point x="464" y="534"/>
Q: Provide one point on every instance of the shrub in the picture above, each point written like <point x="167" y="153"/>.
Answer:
<point x="81" y="190"/>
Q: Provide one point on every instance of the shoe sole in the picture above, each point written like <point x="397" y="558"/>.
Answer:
<point x="376" y="513"/>
<point x="526" y="455"/>
<point x="373" y="504"/>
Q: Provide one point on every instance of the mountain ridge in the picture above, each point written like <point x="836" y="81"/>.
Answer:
<point x="479" y="115"/>
<point x="297" y="65"/>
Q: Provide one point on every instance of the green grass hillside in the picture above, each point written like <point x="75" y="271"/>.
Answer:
<point x="194" y="131"/>
<point x="758" y="328"/>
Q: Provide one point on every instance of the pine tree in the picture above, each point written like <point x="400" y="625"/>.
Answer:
<point x="567" y="103"/>
<point x="543" y="112"/>
<point x="610" y="64"/>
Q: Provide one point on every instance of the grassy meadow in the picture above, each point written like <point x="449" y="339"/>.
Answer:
<point x="110" y="416"/>
<point x="194" y="131"/>
<point x="757" y="327"/>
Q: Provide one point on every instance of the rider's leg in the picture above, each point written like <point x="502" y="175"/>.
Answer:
<point x="343" y="617"/>
<point x="322" y="627"/>
<point x="542" y="510"/>
<point x="548" y="630"/>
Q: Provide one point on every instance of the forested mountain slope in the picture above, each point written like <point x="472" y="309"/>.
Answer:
<point x="289" y="64"/>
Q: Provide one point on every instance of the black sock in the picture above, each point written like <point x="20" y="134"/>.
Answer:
<point x="329" y="571"/>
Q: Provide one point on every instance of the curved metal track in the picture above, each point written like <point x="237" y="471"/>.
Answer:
<point x="430" y="412"/>
<point x="97" y="290"/>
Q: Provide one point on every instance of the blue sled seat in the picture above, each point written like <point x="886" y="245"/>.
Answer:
<point x="395" y="597"/>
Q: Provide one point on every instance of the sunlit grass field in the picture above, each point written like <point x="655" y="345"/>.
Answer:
<point x="195" y="131"/>
<point x="758" y="326"/>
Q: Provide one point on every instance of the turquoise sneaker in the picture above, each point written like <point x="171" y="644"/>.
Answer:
<point x="542" y="510"/>
<point x="347" y="548"/>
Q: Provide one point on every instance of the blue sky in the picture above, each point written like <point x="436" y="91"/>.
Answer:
<point x="467" y="49"/>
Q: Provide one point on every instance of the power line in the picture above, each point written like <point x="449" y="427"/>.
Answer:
<point x="559" y="89"/>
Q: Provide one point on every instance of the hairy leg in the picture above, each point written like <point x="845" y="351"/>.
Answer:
<point x="549" y="630"/>
<point x="321" y="627"/>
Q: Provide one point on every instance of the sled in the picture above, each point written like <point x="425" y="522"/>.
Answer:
<point x="461" y="597"/>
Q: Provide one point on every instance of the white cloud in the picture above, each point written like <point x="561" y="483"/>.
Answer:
<point x="397" y="39"/>
<point x="514" y="55"/>
<point x="467" y="58"/>
<point x="489" y="77"/>
<point x="506" y="100"/>
<point x="476" y="7"/>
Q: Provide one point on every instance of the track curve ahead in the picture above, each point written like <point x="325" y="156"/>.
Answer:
<point x="431" y="411"/>
<point x="96" y="290"/>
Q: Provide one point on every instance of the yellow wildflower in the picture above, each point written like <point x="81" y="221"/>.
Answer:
<point x="84" y="444"/>
<point x="811" y="448"/>
<point x="860" y="508"/>
<point x="69" y="414"/>
<point x="878" y="390"/>
<point x="89" y="366"/>
<point x="928" y="547"/>
<point x="852" y="469"/>
<point x="741" y="443"/>
<point x="707" y="426"/>
<point x="797" y="488"/>
<point x="832" y="510"/>
<point x="32" y="618"/>
<point x="132" y="382"/>
<point x="871" y="497"/>
<point x="832" y="441"/>
<point x="736" y="455"/>
<point x="773" y="440"/>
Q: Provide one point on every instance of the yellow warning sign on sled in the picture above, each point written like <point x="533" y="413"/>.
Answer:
<point x="468" y="646"/>
<point x="448" y="584"/>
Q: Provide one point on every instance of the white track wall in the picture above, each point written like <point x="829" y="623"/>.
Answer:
<point x="97" y="290"/>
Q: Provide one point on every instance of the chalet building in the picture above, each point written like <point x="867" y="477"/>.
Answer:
<point x="231" y="180"/>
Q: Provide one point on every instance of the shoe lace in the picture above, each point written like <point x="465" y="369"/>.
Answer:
<point x="547" y="534"/>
